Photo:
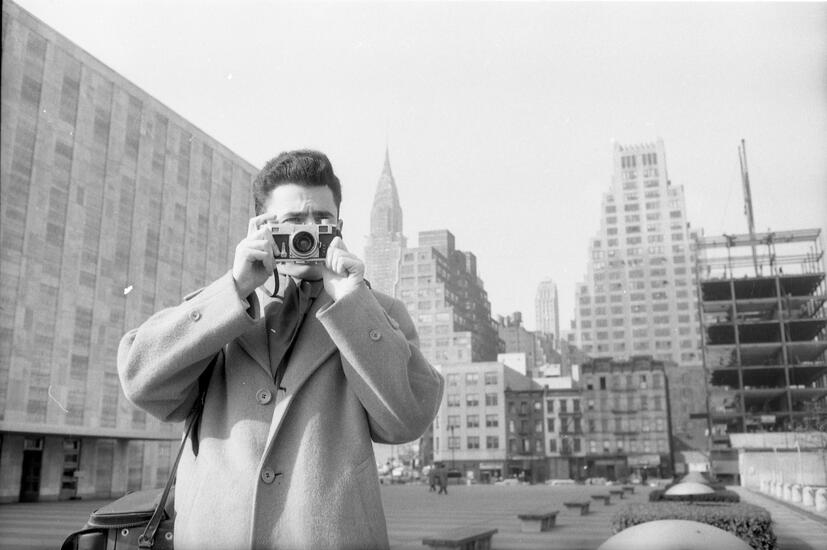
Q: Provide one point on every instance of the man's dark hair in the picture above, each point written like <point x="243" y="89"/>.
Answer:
<point x="303" y="167"/>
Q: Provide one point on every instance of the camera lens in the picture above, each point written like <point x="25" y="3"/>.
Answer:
<point x="303" y="242"/>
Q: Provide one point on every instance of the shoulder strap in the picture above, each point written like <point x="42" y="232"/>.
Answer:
<point x="147" y="538"/>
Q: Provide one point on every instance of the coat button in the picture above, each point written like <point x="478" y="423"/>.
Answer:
<point x="268" y="475"/>
<point x="264" y="396"/>
<point x="195" y="315"/>
<point x="375" y="335"/>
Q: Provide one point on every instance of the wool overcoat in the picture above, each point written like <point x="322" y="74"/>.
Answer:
<point x="289" y="468"/>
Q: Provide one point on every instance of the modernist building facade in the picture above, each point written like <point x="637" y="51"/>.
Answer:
<point x="383" y="250"/>
<point x="627" y="418"/>
<point x="447" y="301"/>
<point x="113" y="207"/>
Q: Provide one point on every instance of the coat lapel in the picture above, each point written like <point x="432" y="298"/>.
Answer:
<point x="254" y="342"/>
<point x="313" y="347"/>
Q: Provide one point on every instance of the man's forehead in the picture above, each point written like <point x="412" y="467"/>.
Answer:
<point x="291" y="197"/>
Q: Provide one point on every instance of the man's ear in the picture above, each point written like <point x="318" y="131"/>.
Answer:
<point x="339" y="224"/>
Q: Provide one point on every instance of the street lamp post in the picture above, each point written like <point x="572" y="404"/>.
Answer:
<point x="452" y="445"/>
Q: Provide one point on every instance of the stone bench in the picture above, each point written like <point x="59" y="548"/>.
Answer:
<point x="618" y="492"/>
<point x="537" y="521"/>
<point x="583" y="506"/>
<point x="471" y="537"/>
<point x="607" y="499"/>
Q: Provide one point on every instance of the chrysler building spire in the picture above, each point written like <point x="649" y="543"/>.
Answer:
<point x="386" y="214"/>
<point x="386" y="241"/>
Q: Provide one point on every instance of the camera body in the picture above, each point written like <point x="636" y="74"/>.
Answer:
<point x="302" y="243"/>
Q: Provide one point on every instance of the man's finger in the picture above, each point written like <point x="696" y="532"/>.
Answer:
<point x="257" y="222"/>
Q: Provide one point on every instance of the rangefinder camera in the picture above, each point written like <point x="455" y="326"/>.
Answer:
<point x="302" y="243"/>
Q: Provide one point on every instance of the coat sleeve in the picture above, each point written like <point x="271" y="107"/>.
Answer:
<point x="159" y="362"/>
<point x="396" y="385"/>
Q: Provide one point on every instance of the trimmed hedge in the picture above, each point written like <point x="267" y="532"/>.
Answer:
<point x="659" y="495"/>
<point x="750" y="523"/>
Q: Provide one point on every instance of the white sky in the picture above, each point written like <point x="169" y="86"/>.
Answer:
<point x="500" y="116"/>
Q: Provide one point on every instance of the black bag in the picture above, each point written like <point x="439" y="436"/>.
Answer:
<point x="142" y="519"/>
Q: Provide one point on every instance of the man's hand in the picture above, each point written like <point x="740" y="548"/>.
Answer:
<point x="344" y="273"/>
<point x="254" y="261"/>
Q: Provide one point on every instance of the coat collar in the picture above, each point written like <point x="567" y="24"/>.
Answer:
<point x="312" y="346"/>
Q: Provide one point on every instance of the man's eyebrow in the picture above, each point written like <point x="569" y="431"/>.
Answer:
<point x="302" y="213"/>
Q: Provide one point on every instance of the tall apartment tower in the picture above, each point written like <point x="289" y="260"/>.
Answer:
<point x="547" y="310"/>
<point x="639" y="294"/>
<point x="383" y="250"/>
<point x="447" y="301"/>
<point x="113" y="207"/>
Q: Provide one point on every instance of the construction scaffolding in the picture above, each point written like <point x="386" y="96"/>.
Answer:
<point x="764" y="332"/>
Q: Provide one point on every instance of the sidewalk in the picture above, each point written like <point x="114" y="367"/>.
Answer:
<point x="795" y="530"/>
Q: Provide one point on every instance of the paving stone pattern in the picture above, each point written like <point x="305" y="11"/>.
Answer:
<point x="414" y="513"/>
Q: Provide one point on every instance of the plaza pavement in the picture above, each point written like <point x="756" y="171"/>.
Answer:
<point x="413" y="513"/>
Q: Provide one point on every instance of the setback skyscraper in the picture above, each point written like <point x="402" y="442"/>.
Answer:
<point x="639" y="294"/>
<point x="547" y="310"/>
<point x="447" y="301"/>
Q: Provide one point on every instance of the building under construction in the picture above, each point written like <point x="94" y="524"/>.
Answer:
<point x="764" y="335"/>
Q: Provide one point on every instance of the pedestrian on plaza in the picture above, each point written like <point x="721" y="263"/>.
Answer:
<point x="432" y="479"/>
<point x="443" y="480"/>
<point x="304" y="368"/>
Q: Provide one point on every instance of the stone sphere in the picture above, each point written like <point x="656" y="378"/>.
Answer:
<point x="674" y="534"/>
<point x="689" y="488"/>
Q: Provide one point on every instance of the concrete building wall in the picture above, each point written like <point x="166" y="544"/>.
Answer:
<point x="808" y="467"/>
<point x="113" y="207"/>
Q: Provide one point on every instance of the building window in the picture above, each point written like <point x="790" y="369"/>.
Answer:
<point x="453" y="379"/>
<point x="453" y="400"/>
<point x="490" y="399"/>
<point x="490" y="378"/>
<point x="538" y="426"/>
<point x="492" y="442"/>
<point x="453" y="442"/>
<point x="471" y="378"/>
<point x="453" y="421"/>
<point x="472" y="421"/>
<point x="473" y="442"/>
<point x="472" y="400"/>
<point x="491" y="421"/>
<point x="552" y="445"/>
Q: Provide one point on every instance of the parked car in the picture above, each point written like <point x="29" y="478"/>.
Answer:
<point x="508" y="481"/>
<point x="560" y="482"/>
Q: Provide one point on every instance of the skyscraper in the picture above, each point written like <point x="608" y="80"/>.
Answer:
<point x="639" y="294"/>
<point x="447" y="301"/>
<point x="113" y="207"/>
<point x="385" y="243"/>
<point x="547" y="309"/>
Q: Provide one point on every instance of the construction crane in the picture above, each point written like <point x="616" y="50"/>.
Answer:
<point x="742" y="157"/>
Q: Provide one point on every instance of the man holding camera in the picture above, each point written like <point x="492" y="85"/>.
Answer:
<point x="311" y="367"/>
